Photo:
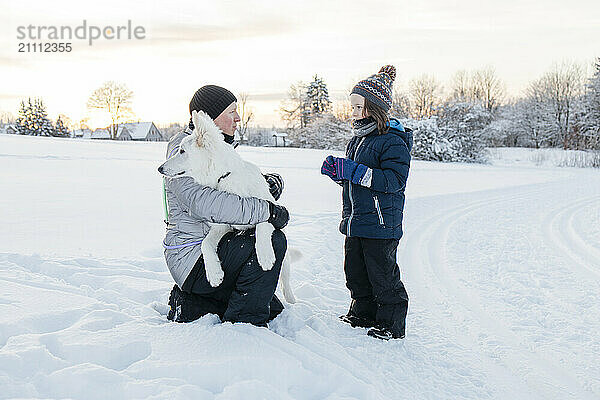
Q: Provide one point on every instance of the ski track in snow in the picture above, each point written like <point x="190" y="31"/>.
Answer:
<point x="504" y="286"/>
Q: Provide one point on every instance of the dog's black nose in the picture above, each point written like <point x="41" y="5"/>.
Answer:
<point x="160" y="169"/>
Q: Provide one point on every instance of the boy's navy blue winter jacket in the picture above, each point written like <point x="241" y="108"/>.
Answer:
<point x="376" y="211"/>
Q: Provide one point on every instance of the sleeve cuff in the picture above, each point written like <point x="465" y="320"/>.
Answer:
<point x="366" y="179"/>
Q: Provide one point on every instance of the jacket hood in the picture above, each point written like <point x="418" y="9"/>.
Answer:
<point x="398" y="129"/>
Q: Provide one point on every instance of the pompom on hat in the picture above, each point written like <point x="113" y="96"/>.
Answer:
<point x="378" y="88"/>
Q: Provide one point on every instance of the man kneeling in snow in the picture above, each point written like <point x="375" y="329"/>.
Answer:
<point x="247" y="292"/>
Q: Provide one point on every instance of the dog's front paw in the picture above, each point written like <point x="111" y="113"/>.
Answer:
<point x="215" y="276"/>
<point x="266" y="257"/>
<point x="264" y="246"/>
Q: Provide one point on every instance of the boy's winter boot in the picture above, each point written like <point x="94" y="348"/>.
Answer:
<point x="385" y="333"/>
<point x="361" y="314"/>
<point x="391" y="322"/>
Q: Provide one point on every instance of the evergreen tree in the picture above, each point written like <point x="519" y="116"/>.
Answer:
<point x="61" y="130"/>
<point x="25" y="120"/>
<point x="33" y="119"/>
<point x="317" y="97"/>
<point x="41" y="121"/>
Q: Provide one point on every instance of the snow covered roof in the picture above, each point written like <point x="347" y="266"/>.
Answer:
<point x="81" y="133"/>
<point x="99" y="134"/>
<point x="278" y="134"/>
<point x="137" y="130"/>
<point x="9" y="128"/>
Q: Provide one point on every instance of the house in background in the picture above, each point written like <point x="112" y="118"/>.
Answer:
<point x="140" y="131"/>
<point x="9" y="128"/>
<point x="81" y="133"/>
<point x="278" y="139"/>
<point x="267" y="137"/>
<point x="99" y="133"/>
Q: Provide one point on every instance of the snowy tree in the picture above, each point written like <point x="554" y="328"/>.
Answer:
<point x="324" y="132"/>
<point x="114" y="98"/>
<point x="246" y="115"/>
<point x="487" y="89"/>
<point x="535" y="116"/>
<point x="504" y="128"/>
<point x="560" y="90"/>
<point x="25" y="118"/>
<point x="463" y="124"/>
<point x="461" y="86"/>
<point x="305" y="102"/>
<point x="42" y="125"/>
<point x="33" y="119"/>
<point x="6" y="118"/>
<point x="591" y="110"/>
<point x="424" y="93"/>
<point x="295" y="110"/>
<point x="400" y="103"/>
<point x="171" y="129"/>
<point x="317" y="97"/>
<point x="428" y="141"/>
<point x="61" y="130"/>
<point x="482" y="86"/>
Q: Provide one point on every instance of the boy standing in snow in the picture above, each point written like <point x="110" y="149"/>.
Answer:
<point x="373" y="176"/>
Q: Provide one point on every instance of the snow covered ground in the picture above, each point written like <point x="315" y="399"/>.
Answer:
<point x="502" y="264"/>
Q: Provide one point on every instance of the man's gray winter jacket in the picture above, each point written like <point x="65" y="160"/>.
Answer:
<point x="191" y="207"/>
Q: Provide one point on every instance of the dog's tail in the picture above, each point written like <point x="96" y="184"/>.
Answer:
<point x="292" y="255"/>
<point x="286" y="288"/>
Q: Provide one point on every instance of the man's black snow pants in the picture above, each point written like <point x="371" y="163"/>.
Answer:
<point x="373" y="278"/>
<point x="247" y="292"/>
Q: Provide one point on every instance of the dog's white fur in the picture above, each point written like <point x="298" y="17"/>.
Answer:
<point x="210" y="161"/>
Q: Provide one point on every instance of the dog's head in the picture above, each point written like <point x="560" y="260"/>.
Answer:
<point x="197" y="150"/>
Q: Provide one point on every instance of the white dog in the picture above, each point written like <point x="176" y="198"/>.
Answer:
<point x="210" y="161"/>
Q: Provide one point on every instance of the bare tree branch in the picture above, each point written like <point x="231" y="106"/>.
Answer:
<point x="115" y="98"/>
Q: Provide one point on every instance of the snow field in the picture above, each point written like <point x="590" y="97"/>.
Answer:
<point x="501" y="262"/>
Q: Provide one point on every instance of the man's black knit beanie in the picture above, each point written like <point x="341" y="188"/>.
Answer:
<point x="212" y="100"/>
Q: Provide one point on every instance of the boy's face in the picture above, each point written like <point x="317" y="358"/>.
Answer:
<point x="358" y="106"/>
<point x="228" y="119"/>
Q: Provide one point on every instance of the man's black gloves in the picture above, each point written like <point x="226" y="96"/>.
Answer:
<point x="275" y="184"/>
<point x="279" y="216"/>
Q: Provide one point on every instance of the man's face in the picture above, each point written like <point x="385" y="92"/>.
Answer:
<point x="228" y="119"/>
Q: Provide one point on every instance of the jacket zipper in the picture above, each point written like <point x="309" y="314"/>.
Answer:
<point x="350" y="190"/>
<point x="378" y="210"/>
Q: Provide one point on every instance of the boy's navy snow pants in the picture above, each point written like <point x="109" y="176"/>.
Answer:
<point x="373" y="278"/>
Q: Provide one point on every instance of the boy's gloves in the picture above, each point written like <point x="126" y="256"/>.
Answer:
<point x="345" y="169"/>
<point x="279" y="216"/>
<point x="275" y="184"/>
<point x="329" y="168"/>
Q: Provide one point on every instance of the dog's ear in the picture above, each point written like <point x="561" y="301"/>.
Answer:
<point x="198" y="127"/>
<point x="195" y="120"/>
<point x="205" y="129"/>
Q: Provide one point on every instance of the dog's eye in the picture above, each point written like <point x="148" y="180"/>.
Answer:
<point x="181" y="151"/>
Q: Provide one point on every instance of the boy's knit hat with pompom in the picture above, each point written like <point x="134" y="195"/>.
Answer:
<point x="378" y="88"/>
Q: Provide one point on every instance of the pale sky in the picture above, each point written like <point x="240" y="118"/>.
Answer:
<point x="262" y="47"/>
